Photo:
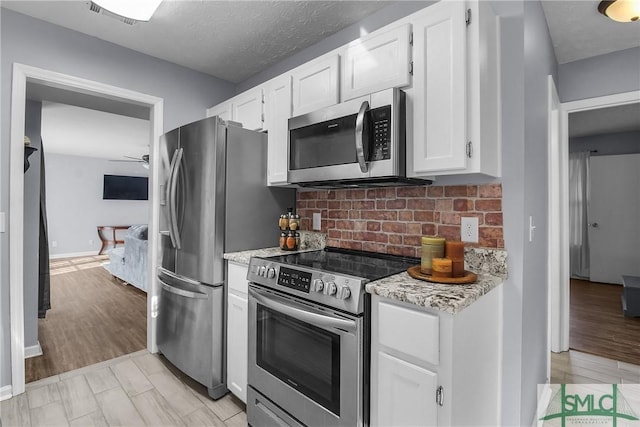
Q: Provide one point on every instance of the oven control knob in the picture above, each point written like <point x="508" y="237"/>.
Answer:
<point x="330" y="288"/>
<point x="271" y="273"/>
<point x="262" y="271"/>
<point x="344" y="292"/>
<point x="318" y="285"/>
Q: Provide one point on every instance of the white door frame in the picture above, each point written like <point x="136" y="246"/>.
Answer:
<point x="559" y="224"/>
<point x="21" y="75"/>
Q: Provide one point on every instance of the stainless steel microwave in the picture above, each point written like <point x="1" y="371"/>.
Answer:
<point x="360" y="142"/>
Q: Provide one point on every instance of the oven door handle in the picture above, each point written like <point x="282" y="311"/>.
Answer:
<point x="292" y="309"/>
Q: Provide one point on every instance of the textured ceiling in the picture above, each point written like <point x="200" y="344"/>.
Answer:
<point x="579" y="31"/>
<point x="232" y="40"/>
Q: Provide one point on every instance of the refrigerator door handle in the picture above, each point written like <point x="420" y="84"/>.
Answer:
<point x="173" y="200"/>
<point x="182" y="292"/>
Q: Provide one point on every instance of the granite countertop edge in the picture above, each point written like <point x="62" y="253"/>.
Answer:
<point x="442" y="297"/>
<point x="243" y="257"/>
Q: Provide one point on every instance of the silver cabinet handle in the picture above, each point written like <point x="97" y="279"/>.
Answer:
<point x="182" y="292"/>
<point x="173" y="200"/>
<point x="296" y="311"/>
<point x="359" y="132"/>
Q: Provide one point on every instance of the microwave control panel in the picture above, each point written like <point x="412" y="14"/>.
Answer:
<point x="381" y="127"/>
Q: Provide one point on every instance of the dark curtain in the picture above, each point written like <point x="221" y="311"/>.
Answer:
<point x="44" y="295"/>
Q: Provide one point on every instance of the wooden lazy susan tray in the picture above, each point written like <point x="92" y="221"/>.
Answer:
<point x="469" y="277"/>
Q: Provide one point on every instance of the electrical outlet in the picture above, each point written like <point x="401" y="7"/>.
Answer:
<point x="317" y="218"/>
<point x="469" y="229"/>
<point x="54" y="244"/>
<point x="90" y="242"/>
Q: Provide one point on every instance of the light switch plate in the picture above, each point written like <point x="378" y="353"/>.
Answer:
<point x="3" y="222"/>
<point x="317" y="221"/>
<point x="469" y="229"/>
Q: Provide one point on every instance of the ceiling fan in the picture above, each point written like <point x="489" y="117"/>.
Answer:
<point x="144" y="160"/>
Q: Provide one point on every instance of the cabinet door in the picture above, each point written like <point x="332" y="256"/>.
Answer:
<point x="247" y="109"/>
<point x="237" y="312"/>
<point x="315" y="85"/>
<point x="237" y="332"/>
<point x="406" y="394"/>
<point x="439" y="83"/>
<point x="278" y="111"/>
<point x="221" y="110"/>
<point x="378" y="62"/>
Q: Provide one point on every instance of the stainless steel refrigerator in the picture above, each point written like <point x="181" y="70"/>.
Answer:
<point x="214" y="199"/>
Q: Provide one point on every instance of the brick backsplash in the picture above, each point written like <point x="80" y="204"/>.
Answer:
<point x="393" y="219"/>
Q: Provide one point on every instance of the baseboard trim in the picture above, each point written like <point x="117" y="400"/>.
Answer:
<point x="33" y="351"/>
<point x="73" y="254"/>
<point x="6" y="393"/>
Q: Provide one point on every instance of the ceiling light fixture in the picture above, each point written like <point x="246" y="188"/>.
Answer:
<point x="131" y="11"/>
<point x="621" y="10"/>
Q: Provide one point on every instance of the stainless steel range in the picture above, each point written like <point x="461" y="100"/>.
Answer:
<point x="309" y="336"/>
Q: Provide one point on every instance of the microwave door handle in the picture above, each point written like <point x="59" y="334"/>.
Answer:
<point x="359" y="133"/>
<point x="316" y="319"/>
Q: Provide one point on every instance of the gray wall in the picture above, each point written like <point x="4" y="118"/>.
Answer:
<point x="512" y="40"/>
<point x="75" y="206"/>
<point x="29" y="41"/>
<point x="379" y="19"/>
<point x="33" y="116"/>
<point x="539" y="63"/>
<point x="601" y="75"/>
<point x="607" y="144"/>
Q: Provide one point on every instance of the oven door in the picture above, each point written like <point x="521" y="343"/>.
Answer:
<point x="306" y="360"/>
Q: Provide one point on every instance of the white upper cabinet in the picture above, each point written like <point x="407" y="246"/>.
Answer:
<point x="315" y="84"/>
<point x="376" y="62"/>
<point x="222" y="110"/>
<point x="439" y="99"/>
<point x="277" y="112"/>
<point x="455" y="91"/>
<point x="247" y="109"/>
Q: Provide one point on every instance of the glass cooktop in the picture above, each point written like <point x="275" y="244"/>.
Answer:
<point x="367" y="265"/>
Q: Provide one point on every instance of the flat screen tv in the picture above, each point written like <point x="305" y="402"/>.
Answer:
<point x="120" y="187"/>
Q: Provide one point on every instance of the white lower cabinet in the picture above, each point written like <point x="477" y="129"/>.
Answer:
<point x="432" y="368"/>
<point x="406" y="393"/>
<point x="237" y="332"/>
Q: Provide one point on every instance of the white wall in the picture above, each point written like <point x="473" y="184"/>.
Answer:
<point x="75" y="206"/>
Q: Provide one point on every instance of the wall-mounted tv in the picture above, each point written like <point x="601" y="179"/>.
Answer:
<point x="120" y="187"/>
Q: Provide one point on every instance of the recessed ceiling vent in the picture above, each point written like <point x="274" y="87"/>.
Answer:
<point x="97" y="9"/>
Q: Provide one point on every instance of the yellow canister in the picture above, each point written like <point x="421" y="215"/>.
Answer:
<point x="432" y="247"/>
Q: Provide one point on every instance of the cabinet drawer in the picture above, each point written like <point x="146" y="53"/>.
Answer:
<point x="237" y="277"/>
<point x="412" y="332"/>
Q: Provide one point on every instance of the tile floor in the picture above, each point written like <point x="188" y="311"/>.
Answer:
<point x="133" y="390"/>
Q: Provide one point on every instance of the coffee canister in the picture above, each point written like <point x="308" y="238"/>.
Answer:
<point x="432" y="247"/>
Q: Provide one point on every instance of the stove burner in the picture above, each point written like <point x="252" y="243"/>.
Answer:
<point x="368" y="265"/>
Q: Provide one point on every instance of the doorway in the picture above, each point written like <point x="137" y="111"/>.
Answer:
<point x="23" y="74"/>
<point x="559" y="240"/>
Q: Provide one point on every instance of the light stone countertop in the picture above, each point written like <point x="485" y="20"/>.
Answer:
<point x="243" y="257"/>
<point x="309" y="241"/>
<point x="448" y="298"/>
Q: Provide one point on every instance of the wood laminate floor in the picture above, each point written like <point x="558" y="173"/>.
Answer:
<point x="598" y="326"/>
<point x="93" y="318"/>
